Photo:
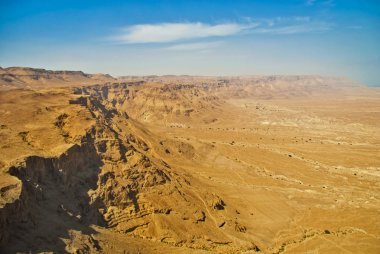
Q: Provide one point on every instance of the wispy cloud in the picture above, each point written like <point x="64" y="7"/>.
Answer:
<point x="355" y="27"/>
<point x="292" y="25"/>
<point x="189" y="33"/>
<point x="329" y="3"/>
<point x="198" y="46"/>
<point x="310" y="2"/>
<point x="170" y="32"/>
<point x="308" y="27"/>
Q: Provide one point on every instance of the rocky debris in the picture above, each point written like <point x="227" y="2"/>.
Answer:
<point x="61" y="120"/>
<point x="221" y="223"/>
<point x="199" y="216"/>
<point x="240" y="228"/>
<point x="163" y="210"/>
<point x="79" y="101"/>
<point x="217" y="203"/>
<point x="79" y="243"/>
<point x="24" y="136"/>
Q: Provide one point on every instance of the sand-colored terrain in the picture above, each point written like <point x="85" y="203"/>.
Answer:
<point x="31" y="78"/>
<point x="181" y="164"/>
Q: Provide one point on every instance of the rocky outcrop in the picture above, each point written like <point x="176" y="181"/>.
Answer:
<point x="23" y="77"/>
<point x="14" y="209"/>
<point x="52" y="189"/>
<point x="114" y="179"/>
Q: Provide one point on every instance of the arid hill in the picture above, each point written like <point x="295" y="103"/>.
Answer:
<point x="23" y="77"/>
<point x="181" y="164"/>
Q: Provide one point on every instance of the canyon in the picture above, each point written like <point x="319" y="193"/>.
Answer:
<point x="187" y="164"/>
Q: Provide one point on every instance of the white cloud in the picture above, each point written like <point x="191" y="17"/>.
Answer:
<point x="194" y="46"/>
<point x="295" y="29"/>
<point x="193" y="32"/>
<point x="169" y="32"/>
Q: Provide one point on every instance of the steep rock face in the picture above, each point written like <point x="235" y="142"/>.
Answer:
<point x="54" y="192"/>
<point x="142" y="195"/>
<point x="149" y="102"/>
<point x="152" y="102"/>
<point x="14" y="207"/>
<point x="112" y="178"/>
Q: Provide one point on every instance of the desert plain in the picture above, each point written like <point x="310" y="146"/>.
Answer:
<point x="187" y="164"/>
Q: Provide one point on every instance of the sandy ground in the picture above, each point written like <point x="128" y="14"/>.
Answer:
<point x="304" y="174"/>
<point x="296" y="175"/>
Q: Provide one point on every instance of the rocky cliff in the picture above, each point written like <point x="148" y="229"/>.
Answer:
<point x="113" y="177"/>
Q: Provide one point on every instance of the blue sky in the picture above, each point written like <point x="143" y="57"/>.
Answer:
<point x="240" y="37"/>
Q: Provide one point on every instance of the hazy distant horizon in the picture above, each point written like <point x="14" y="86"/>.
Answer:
<point x="193" y="75"/>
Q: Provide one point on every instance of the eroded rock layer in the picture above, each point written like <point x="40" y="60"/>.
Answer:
<point x="180" y="164"/>
<point x="113" y="178"/>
